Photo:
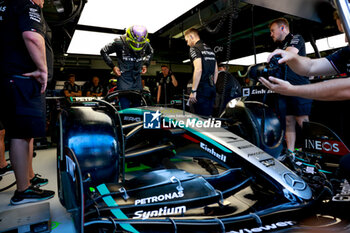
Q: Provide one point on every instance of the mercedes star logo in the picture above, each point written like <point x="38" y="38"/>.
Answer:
<point x="294" y="181"/>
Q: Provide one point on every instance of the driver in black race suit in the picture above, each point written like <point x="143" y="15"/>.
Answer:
<point x="134" y="54"/>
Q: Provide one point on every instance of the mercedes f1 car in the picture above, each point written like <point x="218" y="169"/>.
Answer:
<point x="150" y="169"/>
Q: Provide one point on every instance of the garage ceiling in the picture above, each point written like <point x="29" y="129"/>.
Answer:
<point x="250" y="17"/>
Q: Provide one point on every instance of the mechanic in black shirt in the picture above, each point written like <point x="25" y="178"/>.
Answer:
<point x="205" y="74"/>
<point x="24" y="75"/>
<point x="134" y="54"/>
<point x="5" y="167"/>
<point x="291" y="109"/>
<point x="167" y="86"/>
<point x="96" y="88"/>
<point x="331" y="90"/>
<point x="71" y="89"/>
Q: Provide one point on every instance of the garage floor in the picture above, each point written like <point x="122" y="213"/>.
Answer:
<point x="44" y="164"/>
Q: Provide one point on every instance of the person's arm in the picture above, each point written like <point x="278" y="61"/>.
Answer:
<point x="147" y="58"/>
<point x="66" y="93"/>
<point x="149" y="52"/>
<point x="35" y="44"/>
<point x="31" y="25"/>
<point x="216" y="73"/>
<point x="197" y="74"/>
<point x="292" y="50"/>
<point x="158" y="93"/>
<point x="105" y="51"/>
<point x="101" y="89"/>
<point x="304" y="65"/>
<point x="79" y="93"/>
<point x="173" y="80"/>
<point x="97" y="94"/>
<point x="336" y="89"/>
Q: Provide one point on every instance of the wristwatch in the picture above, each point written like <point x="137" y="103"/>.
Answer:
<point x="193" y="91"/>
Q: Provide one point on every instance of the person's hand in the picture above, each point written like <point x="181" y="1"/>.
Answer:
<point x="144" y="70"/>
<point x="193" y="98"/>
<point x="40" y="76"/>
<point x="286" y="56"/>
<point x="116" y="71"/>
<point x="277" y="85"/>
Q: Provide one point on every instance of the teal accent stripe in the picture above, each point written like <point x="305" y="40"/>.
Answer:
<point x="133" y="111"/>
<point x="116" y="212"/>
<point x="209" y="140"/>
<point x="203" y="136"/>
<point x="21" y="77"/>
<point x="325" y="171"/>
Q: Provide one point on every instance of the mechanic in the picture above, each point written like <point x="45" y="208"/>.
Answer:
<point x="96" y="88"/>
<point x="222" y="67"/>
<point x="71" y="89"/>
<point x="5" y="167"/>
<point x="24" y="75"/>
<point x="292" y="109"/>
<point x="205" y="73"/>
<point x="85" y="87"/>
<point x="332" y="90"/>
<point x="167" y="86"/>
<point x="134" y="54"/>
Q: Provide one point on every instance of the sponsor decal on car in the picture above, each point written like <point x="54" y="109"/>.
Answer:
<point x="131" y="118"/>
<point x="326" y="146"/>
<point x="161" y="197"/>
<point x="245" y="146"/>
<point x="212" y="151"/>
<point x="271" y="227"/>
<point x="256" y="153"/>
<point x="163" y="211"/>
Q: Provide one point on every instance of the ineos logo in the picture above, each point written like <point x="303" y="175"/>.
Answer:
<point x="218" y="49"/>
<point x="322" y="146"/>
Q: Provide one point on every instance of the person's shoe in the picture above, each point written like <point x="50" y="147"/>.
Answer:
<point x="37" y="181"/>
<point x="31" y="194"/>
<point x="6" y="170"/>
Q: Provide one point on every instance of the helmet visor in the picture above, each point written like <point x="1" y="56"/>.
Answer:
<point x="135" y="45"/>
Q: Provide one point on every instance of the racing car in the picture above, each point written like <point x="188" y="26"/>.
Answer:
<point x="137" y="170"/>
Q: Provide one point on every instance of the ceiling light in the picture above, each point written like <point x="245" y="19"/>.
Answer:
<point x="117" y="14"/>
<point x="186" y="61"/>
<point x="249" y="60"/>
<point x="89" y="43"/>
<point x="323" y="44"/>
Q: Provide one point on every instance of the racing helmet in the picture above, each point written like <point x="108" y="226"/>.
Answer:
<point x="136" y="36"/>
<point x="113" y="80"/>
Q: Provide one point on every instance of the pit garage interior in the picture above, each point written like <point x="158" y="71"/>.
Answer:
<point x="236" y="30"/>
